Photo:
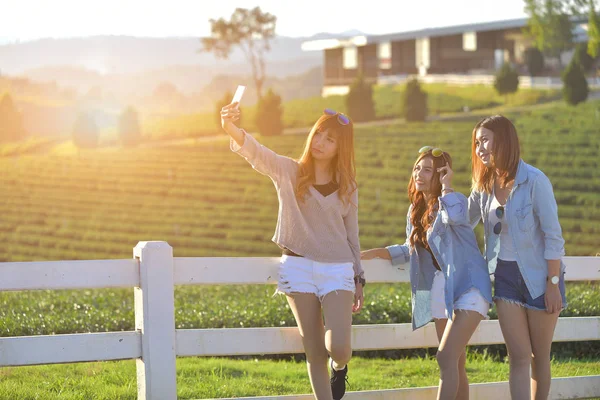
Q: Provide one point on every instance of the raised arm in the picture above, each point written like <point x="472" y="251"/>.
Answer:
<point x="229" y="114"/>
<point x="262" y="159"/>
<point x="453" y="206"/>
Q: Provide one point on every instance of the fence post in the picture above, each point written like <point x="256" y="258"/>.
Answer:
<point x="155" y="319"/>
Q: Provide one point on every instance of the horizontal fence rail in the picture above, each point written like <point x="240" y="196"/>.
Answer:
<point x="287" y="340"/>
<point x="32" y="350"/>
<point x="52" y="275"/>
<point x="154" y="272"/>
<point x="94" y="274"/>
<point x="77" y="347"/>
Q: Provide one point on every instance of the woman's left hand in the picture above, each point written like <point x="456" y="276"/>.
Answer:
<point x="358" y="298"/>
<point x="446" y="175"/>
<point x="552" y="299"/>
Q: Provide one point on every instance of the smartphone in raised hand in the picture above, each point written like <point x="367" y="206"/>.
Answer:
<point x="237" y="97"/>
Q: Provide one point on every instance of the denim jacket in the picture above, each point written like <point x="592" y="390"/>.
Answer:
<point x="532" y="217"/>
<point x="452" y="242"/>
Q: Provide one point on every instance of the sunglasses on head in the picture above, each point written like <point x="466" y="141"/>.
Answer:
<point x="341" y="118"/>
<point x="436" y="152"/>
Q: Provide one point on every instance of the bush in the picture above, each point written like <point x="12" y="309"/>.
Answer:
<point x="129" y="127"/>
<point x="414" y="102"/>
<point x="359" y="101"/>
<point x="269" y="114"/>
<point x="85" y="132"/>
<point x="534" y="60"/>
<point x="575" y="86"/>
<point x="11" y="121"/>
<point x="507" y="80"/>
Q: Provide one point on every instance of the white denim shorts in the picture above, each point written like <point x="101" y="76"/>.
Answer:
<point x="303" y="275"/>
<point x="471" y="300"/>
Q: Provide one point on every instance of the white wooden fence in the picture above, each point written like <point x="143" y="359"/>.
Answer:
<point x="155" y="343"/>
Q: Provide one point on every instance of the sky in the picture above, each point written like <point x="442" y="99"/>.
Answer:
<point x="25" y="20"/>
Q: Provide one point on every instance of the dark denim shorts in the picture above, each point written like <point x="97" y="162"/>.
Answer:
<point x="509" y="286"/>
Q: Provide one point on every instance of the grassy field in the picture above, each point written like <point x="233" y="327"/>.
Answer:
<point x="28" y="145"/>
<point x="219" y="377"/>
<point x="388" y="99"/>
<point x="206" y="201"/>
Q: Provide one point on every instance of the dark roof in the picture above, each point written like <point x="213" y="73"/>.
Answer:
<point x="428" y="32"/>
<point x="450" y="30"/>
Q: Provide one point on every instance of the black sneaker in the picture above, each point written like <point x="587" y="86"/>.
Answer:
<point x="338" y="382"/>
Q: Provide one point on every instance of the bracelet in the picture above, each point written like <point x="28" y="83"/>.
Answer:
<point x="447" y="189"/>
<point x="360" y="279"/>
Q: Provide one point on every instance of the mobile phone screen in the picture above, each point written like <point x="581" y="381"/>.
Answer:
<point x="237" y="97"/>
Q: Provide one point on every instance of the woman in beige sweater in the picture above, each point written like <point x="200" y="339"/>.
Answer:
<point x="317" y="229"/>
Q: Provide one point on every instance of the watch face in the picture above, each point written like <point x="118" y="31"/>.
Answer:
<point x="554" y="280"/>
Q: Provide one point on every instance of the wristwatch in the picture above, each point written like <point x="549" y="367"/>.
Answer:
<point x="360" y="279"/>
<point x="553" y="279"/>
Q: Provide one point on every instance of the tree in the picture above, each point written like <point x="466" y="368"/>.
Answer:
<point x="129" y="127"/>
<point x="269" y="114"/>
<point x="251" y="30"/>
<point x="414" y="102"/>
<point x="534" y="60"/>
<point x="582" y="56"/>
<point x="575" y="88"/>
<point x="507" y="80"/>
<point x="85" y="132"/>
<point x="550" y="26"/>
<point x="593" y="32"/>
<point x="359" y="100"/>
<point x="587" y="9"/>
<point x="11" y="121"/>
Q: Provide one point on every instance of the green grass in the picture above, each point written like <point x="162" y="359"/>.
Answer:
<point x="199" y="378"/>
<point x="444" y="99"/>
<point x="71" y="311"/>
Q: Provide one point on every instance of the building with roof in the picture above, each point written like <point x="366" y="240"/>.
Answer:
<point x="473" y="49"/>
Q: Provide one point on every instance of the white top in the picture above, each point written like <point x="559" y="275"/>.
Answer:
<point x="321" y="228"/>
<point x="507" y="252"/>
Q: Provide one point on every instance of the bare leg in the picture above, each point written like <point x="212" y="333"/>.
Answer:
<point x="541" y="331"/>
<point x="452" y="349"/>
<point x="515" y="329"/>
<point x="337" y="308"/>
<point x="307" y="311"/>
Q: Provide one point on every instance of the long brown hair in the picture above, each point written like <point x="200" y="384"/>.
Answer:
<point x="505" y="155"/>
<point x="422" y="209"/>
<point x="343" y="165"/>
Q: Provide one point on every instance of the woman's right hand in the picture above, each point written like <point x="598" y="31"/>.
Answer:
<point x="229" y="114"/>
<point x="375" y="253"/>
<point x="446" y="175"/>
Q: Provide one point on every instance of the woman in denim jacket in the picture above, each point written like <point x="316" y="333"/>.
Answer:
<point x="523" y="248"/>
<point x="449" y="277"/>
